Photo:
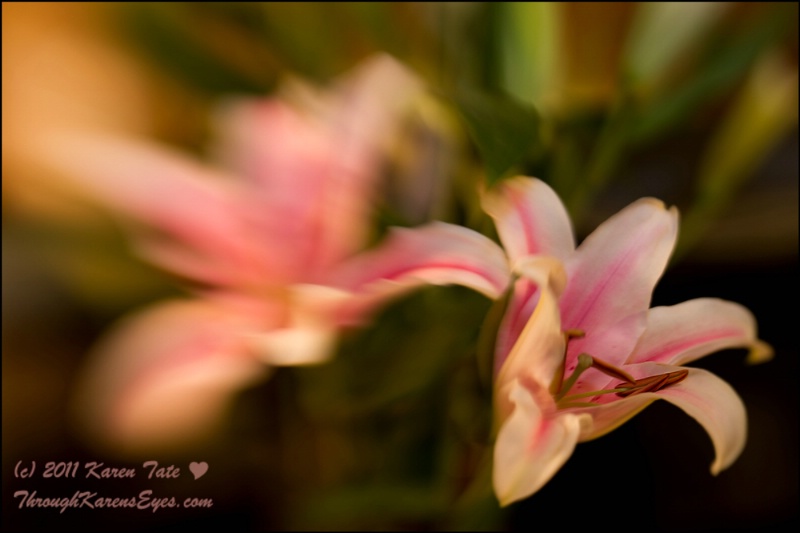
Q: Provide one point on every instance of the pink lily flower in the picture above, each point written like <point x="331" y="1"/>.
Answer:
<point x="273" y="242"/>
<point x="580" y="351"/>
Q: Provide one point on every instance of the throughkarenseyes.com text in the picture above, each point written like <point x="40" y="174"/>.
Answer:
<point x="91" y="500"/>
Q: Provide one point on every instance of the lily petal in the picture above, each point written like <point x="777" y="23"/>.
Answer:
<point x="314" y="171"/>
<point x="519" y="310"/>
<point x="702" y="395"/>
<point x="303" y="199"/>
<point x="537" y="354"/>
<point x="311" y="331"/>
<point x="614" y="339"/>
<point x="191" y="204"/>
<point x="609" y="416"/>
<point x="164" y="377"/>
<point x="295" y="346"/>
<point x="437" y="253"/>
<point x="530" y="219"/>
<point x="531" y="446"/>
<point x="718" y="408"/>
<point x="685" y="332"/>
<point x="368" y="100"/>
<point x="612" y="275"/>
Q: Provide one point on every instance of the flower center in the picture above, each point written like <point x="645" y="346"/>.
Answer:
<point x="651" y="383"/>
<point x="628" y="386"/>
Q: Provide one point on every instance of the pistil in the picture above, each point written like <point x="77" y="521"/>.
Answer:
<point x="630" y="386"/>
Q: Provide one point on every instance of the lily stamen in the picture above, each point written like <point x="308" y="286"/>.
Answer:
<point x="557" y="385"/>
<point x="610" y="370"/>
<point x="574" y="334"/>
<point x="585" y="362"/>
<point x="652" y="383"/>
<point x="630" y="386"/>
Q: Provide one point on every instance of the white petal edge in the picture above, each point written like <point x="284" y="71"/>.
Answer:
<point x="718" y="408"/>
<point x="531" y="447"/>
<point x="163" y="377"/>
<point x="682" y="333"/>
<point x="530" y="219"/>
<point x="705" y="397"/>
<point x="436" y="253"/>
<point x="311" y="335"/>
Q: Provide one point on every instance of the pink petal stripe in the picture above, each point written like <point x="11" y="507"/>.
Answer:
<point x="530" y="219"/>
<point x="190" y="204"/>
<point x="613" y="272"/>
<point x="532" y="445"/>
<point x="440" y="252"/>
<point x="682" y="333"/>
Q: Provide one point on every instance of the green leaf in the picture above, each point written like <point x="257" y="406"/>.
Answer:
<point x="663" y="32"/>
<point x="530" y="50"/>
<point x="504" y="130"/>
<point x="721" y="71"/>
<point x="764" y="111"/>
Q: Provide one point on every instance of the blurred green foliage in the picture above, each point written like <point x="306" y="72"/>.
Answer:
<point x="505" y="69"/>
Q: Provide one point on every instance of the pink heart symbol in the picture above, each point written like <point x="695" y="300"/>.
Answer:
<point x="198" y="469"/>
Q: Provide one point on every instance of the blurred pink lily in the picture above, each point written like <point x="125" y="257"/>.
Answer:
<point x="270" y="239"/>
<point x="579" y="351"/>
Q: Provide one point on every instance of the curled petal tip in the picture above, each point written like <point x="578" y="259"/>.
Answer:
<point x="655" y="202"/>
<point x="659" y="204"/>
<point x="760" y="352"/>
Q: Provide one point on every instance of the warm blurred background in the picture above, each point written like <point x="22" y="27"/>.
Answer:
<point x="693" y="103"/>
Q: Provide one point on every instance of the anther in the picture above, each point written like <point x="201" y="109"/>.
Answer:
<point x="574" y="333"/>
<point x="651" y="383"/>
<point x="611" y="370"/>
